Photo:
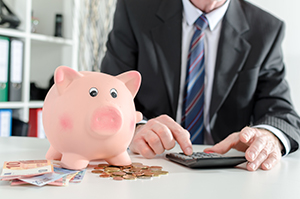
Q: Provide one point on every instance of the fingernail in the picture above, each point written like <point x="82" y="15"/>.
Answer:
<point x="246" y="137"/>
<point x="252" y="166"/>
<point x="188" y="150"/>
<point x="267" y="165"/>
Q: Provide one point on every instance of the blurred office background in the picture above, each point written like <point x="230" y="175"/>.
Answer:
<point x="95" y="22"/>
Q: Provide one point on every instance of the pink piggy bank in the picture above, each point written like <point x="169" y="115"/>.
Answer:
<point x="90" y="115"/>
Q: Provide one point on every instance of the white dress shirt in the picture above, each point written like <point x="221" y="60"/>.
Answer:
<point x="212" y="35"/>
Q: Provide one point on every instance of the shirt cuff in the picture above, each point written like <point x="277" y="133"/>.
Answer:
<point x="280" y="135"/>
<point x="141" y="122"/>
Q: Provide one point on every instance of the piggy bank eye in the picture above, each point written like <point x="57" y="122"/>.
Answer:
<point x="93" y="92"/>
<point x="113" y="93"/>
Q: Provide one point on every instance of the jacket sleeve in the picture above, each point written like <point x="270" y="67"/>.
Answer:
<point x="273" y="102"/>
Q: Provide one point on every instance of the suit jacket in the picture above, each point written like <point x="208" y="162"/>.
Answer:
<point x="249" y="86"/>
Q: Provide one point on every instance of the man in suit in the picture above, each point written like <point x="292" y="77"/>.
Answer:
<point x="247" y="101"/>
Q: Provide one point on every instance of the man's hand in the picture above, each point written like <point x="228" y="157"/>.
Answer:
<point x="159" y="134"/>
<point x="262" y="148"/>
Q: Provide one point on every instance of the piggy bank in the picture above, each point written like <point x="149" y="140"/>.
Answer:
<point x="90" y="115"/>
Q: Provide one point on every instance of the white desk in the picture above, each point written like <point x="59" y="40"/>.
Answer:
<point x="283" y="181"/>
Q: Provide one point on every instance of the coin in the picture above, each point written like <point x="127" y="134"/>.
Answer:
<point x="103" y="165"/>
<point x="118" y="173"/>
<point x="129" y="172"/>
<point x="139" y="173"/>
<point x="105" y="175"/>
<point x="97" y="171"/>
<point x="129" y="177"/>
<point x="99" y="167"/>
<point x="111" y="169"/>
<point x="126" y="167"/>
<point x="164" y="172"/>
<point x="136" y="163"/>
<point x="156" y="168"/>
<point x="118" y="178"/>
<point x="144" y="177"/>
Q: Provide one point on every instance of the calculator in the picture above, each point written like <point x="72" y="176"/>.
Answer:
<point x="206" y="160"/>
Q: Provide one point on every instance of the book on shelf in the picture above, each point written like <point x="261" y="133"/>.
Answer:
<point x="15" y="70"/>
<point x="4" y="65"/>
<point x="11" y="69"/>
<point x="5" y="122"/>
<point x="36" y="128"/>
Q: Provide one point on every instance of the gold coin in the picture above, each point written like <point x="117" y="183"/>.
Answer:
<point x="156" y="173"/>
<point x="99" y="167"/>
<point x="145" y="167"/>
<point x="135" y="164"/>
<point x="156" y="168"/>
<point x="144" y="177"/>
<point x="163" y="172"/>
<point x="103" y="165"/>
<point x="129" y="177"/>
<point x="112" y="169"/>
<point x="148" y="173"/>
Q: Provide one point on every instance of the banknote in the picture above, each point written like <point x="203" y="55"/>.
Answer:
<point x="14" y="169"/>
<point x="64" y="181"/>
<point x="42" y="180"/>
<point x="60" y="177"/>
<point x="39" y="173"/>
<point x="79" y="176"/>
<point x="15" y="182"/>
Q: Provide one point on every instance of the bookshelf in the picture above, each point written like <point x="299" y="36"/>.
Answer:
<point x="42" y="51"/>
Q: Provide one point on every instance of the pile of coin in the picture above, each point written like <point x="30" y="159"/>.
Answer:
<point x="130" y="172"/>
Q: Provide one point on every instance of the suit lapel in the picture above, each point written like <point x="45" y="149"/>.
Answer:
<point x="167" y="42"/>
<point x="232" y="53"/>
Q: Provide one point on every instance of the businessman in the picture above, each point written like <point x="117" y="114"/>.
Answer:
<point x="245" y="100"/>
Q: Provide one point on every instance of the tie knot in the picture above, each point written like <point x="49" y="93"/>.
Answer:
<point x="201" y="23"/>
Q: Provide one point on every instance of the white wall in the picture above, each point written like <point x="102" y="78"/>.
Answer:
<point x="288" y="11"/>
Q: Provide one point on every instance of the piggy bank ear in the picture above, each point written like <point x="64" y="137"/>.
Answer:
<point x="63" y="77"/>
<point x="132" y="80"/>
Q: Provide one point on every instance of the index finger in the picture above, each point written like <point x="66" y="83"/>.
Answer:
<point x="181" y="135"/>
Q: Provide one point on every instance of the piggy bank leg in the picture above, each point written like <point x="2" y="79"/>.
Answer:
<point x="119" y="160"/>
<point x="52" y="154"/>
<point x="73" y="161"/>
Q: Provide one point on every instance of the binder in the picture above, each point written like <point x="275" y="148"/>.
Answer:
<point x="5" y="122"/>
<point x="4" y="63"/>
<point x="36" y="128"/>
<point x="15" y="70"/>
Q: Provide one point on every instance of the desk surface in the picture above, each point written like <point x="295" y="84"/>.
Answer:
<point x="283" y="181"/>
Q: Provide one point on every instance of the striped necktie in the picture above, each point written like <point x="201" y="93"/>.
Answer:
<point x="193" y="103"/>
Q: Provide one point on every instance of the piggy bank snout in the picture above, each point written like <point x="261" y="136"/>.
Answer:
<point x="106" y="120"/>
